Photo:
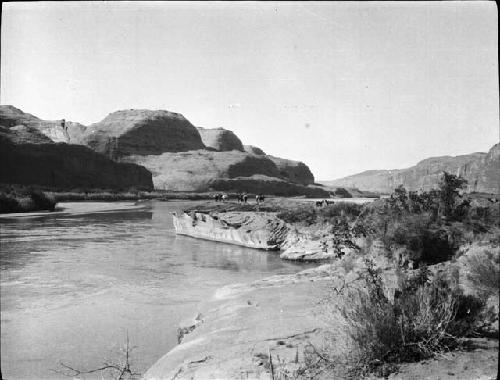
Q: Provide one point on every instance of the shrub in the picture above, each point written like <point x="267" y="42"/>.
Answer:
<point x="8" y="204"/>
<point x="25" y="200"/>
<point x="301" y="214"/>
<point x="330" y="213"/>
<point x="427" y="316"/>
<point x="449" y="189"/>
<point x="484" y="270"/>
<point x="42" y="201"/>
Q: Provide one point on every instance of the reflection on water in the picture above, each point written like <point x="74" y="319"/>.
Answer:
<point x="72" y="286"/>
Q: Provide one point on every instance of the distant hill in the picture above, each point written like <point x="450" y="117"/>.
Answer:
<point x="481" y="170"/>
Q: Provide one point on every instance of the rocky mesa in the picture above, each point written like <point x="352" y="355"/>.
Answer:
<point x="144" y="132"/>
<point x="182" y="157"/>
<point x="481" y="170"/>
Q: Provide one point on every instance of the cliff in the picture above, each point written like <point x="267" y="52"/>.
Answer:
<point x="203" y="170"/>
<point x="479" y="169"/>
<point x="195" y="170"/>
<point x="293" y="171"/>
<point x="254" y="150"/>
<point x="73" y="133"/>
<point x="142" y="132"/>
<point x="29" y="157"/>
<point x="220" y="139"/>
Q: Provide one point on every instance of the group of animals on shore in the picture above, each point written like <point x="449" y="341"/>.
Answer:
<point x="241" y="198"/>
<point x="324" y="202"/>
<point x="259" y="198"/>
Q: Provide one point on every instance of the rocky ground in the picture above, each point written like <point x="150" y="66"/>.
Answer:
<point x="237" y="330"/>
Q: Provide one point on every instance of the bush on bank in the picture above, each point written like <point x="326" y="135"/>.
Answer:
<point x="428" y="315"/>
<point x="25" y="200"/>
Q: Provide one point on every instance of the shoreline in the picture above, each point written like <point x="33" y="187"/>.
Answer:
<point x="274" y="314"/>
<point x="19" y="199"/>
<point x="244" y="327"/>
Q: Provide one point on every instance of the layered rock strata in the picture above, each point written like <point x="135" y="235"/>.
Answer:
<point x="254" y="230"/>
<point x="263" y="230"/>
<point x="220" y="139"/>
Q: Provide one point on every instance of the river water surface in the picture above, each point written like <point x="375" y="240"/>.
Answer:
<point x="73" y="284"/>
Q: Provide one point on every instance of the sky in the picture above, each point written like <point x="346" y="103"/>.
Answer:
<point x="342" y="86"/>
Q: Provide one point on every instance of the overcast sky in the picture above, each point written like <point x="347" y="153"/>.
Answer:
<point x="344" y="87"/>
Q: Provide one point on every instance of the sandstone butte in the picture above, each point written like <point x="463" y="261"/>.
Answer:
<point x="180" y="156"/>
<point x="185" y="158"/>
<point x="481" y="170"/>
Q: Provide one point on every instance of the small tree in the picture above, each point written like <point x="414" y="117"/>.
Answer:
<point x="399" y="199"/>
<point x="449" y="188"/>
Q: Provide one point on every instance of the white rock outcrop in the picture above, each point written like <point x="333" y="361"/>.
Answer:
<point x="254" y="230"/>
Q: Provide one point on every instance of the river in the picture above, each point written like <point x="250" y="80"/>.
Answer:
<point x="75" y="283"/>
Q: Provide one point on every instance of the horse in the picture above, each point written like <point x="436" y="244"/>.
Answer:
<point x="218" y="197"/>
<point x="319" y="203"/>
<point x="224" y="197"/>
<point x="244" y="198"/>
<point x="259" y="198"/>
